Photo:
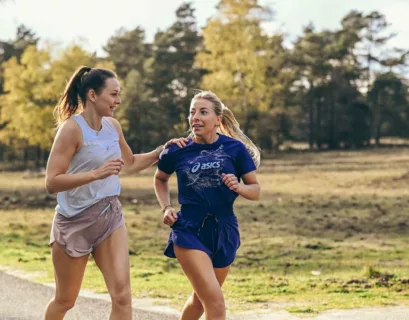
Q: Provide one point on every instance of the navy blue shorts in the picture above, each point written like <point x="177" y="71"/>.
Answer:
<point x="213" y="230"/>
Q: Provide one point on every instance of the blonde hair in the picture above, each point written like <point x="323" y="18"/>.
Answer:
<point x="229" y="125"/>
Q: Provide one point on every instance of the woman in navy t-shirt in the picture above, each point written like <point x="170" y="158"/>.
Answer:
<point x="205" y="234"/>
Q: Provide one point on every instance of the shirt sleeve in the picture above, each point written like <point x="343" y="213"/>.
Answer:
<point x="167" y="162"/>
<point x="244" y="162"/>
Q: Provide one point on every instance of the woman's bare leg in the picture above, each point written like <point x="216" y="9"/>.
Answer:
<point x="199" y="269"/>
<point x="68" y="273"/>
<point x="112" y="258"/>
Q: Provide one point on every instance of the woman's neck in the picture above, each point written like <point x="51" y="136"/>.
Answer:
<point x="94" y="121"/>
<point x="206" y="140"/>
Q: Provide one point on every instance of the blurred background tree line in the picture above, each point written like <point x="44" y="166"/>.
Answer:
<point x="332" y="89"/>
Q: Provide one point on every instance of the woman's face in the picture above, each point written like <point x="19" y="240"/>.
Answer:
<point x="109" y="98"/>
<point x="203" y="119"/>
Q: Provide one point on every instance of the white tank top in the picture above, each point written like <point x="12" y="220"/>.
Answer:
<point x="98" y="148"/>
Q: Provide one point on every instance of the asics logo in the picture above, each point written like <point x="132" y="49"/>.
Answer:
<point x="205" y="166"/>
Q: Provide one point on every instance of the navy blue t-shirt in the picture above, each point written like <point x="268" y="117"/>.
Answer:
<point x="199" y="169"/>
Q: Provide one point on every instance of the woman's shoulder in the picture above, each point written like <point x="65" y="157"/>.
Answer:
<point x="113" y="124"/>
<point x="230" y="141"/>
<point x="68" y="133"/>
<point x="173" y="150"/>
<point x="112" y="120"/>
<point x="69" y="126"/>
<point x="224" y="138"/>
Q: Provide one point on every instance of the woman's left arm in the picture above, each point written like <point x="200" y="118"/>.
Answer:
<point x="249" y="188"/>
<point x="138" y="162"/>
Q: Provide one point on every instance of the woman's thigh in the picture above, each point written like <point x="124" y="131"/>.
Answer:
<point x="112" y="258"/>
<point x="68" y="272"/>
<point x="198" y="268"/>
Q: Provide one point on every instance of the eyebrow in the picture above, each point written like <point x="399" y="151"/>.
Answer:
<point x="201" y="108"/>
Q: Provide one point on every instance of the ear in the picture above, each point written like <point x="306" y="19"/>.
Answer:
<point x="92" y="95"/>
<point x="219" y="120"/>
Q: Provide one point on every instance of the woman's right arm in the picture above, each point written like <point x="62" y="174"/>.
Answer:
<point x="66" y="144"/>
<point x="163" y="195"/>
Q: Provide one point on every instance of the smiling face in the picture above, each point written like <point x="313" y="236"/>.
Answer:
<point x="108" y="99"/>
<point x="203" y="119"/>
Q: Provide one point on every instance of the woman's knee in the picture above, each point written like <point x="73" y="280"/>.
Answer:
<point x="216" y="304"/>
<point x="65" y="303"/>
<point x="196" y="303"/>
<point x="121" y="297"/>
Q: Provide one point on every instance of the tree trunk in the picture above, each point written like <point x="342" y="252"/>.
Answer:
<point x="318" y="131"/>
<point x="310" y="107"/>
<point x="377" y="119"/>
<point x="333" y="144"/>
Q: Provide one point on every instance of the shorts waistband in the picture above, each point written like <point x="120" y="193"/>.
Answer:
<point x="199" y="212"/>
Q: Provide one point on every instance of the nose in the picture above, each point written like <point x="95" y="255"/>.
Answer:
<point x="118" y="100"/>
<point x="194" y="116"/>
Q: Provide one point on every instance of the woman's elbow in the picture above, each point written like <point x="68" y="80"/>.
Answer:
<point x="127" y="170"/>
<point x="157" y="181"/>
<point x="49" y="186"/>
<point x="257" y="194"/>
<point x="255" y="197"/>
<point x="50" y="190"/>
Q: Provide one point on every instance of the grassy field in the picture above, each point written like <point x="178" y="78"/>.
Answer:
<point x="331" y="231"/>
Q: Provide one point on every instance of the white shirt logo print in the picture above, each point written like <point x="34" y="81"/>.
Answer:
<point x="195" y="167"/>
<point x="204" y="171"/>
<point x="206" y="166"/>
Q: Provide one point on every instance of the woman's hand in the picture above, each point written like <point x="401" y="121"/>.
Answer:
<point x="170" y="216"/>
<point x="181" y="142"/>
<point x="231" y="181"/>
<point x="109" y="168"/>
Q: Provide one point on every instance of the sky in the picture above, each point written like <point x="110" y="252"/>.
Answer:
<point x="94" y="21"/>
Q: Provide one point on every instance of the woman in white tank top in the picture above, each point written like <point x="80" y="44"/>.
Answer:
<point x="88" y="153"/>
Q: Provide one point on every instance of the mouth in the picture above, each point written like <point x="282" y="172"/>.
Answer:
<point x="197" y="126"/>
<point x="112" y="108"/>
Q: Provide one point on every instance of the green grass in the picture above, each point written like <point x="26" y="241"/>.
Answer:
<point x="330" y="232"/>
